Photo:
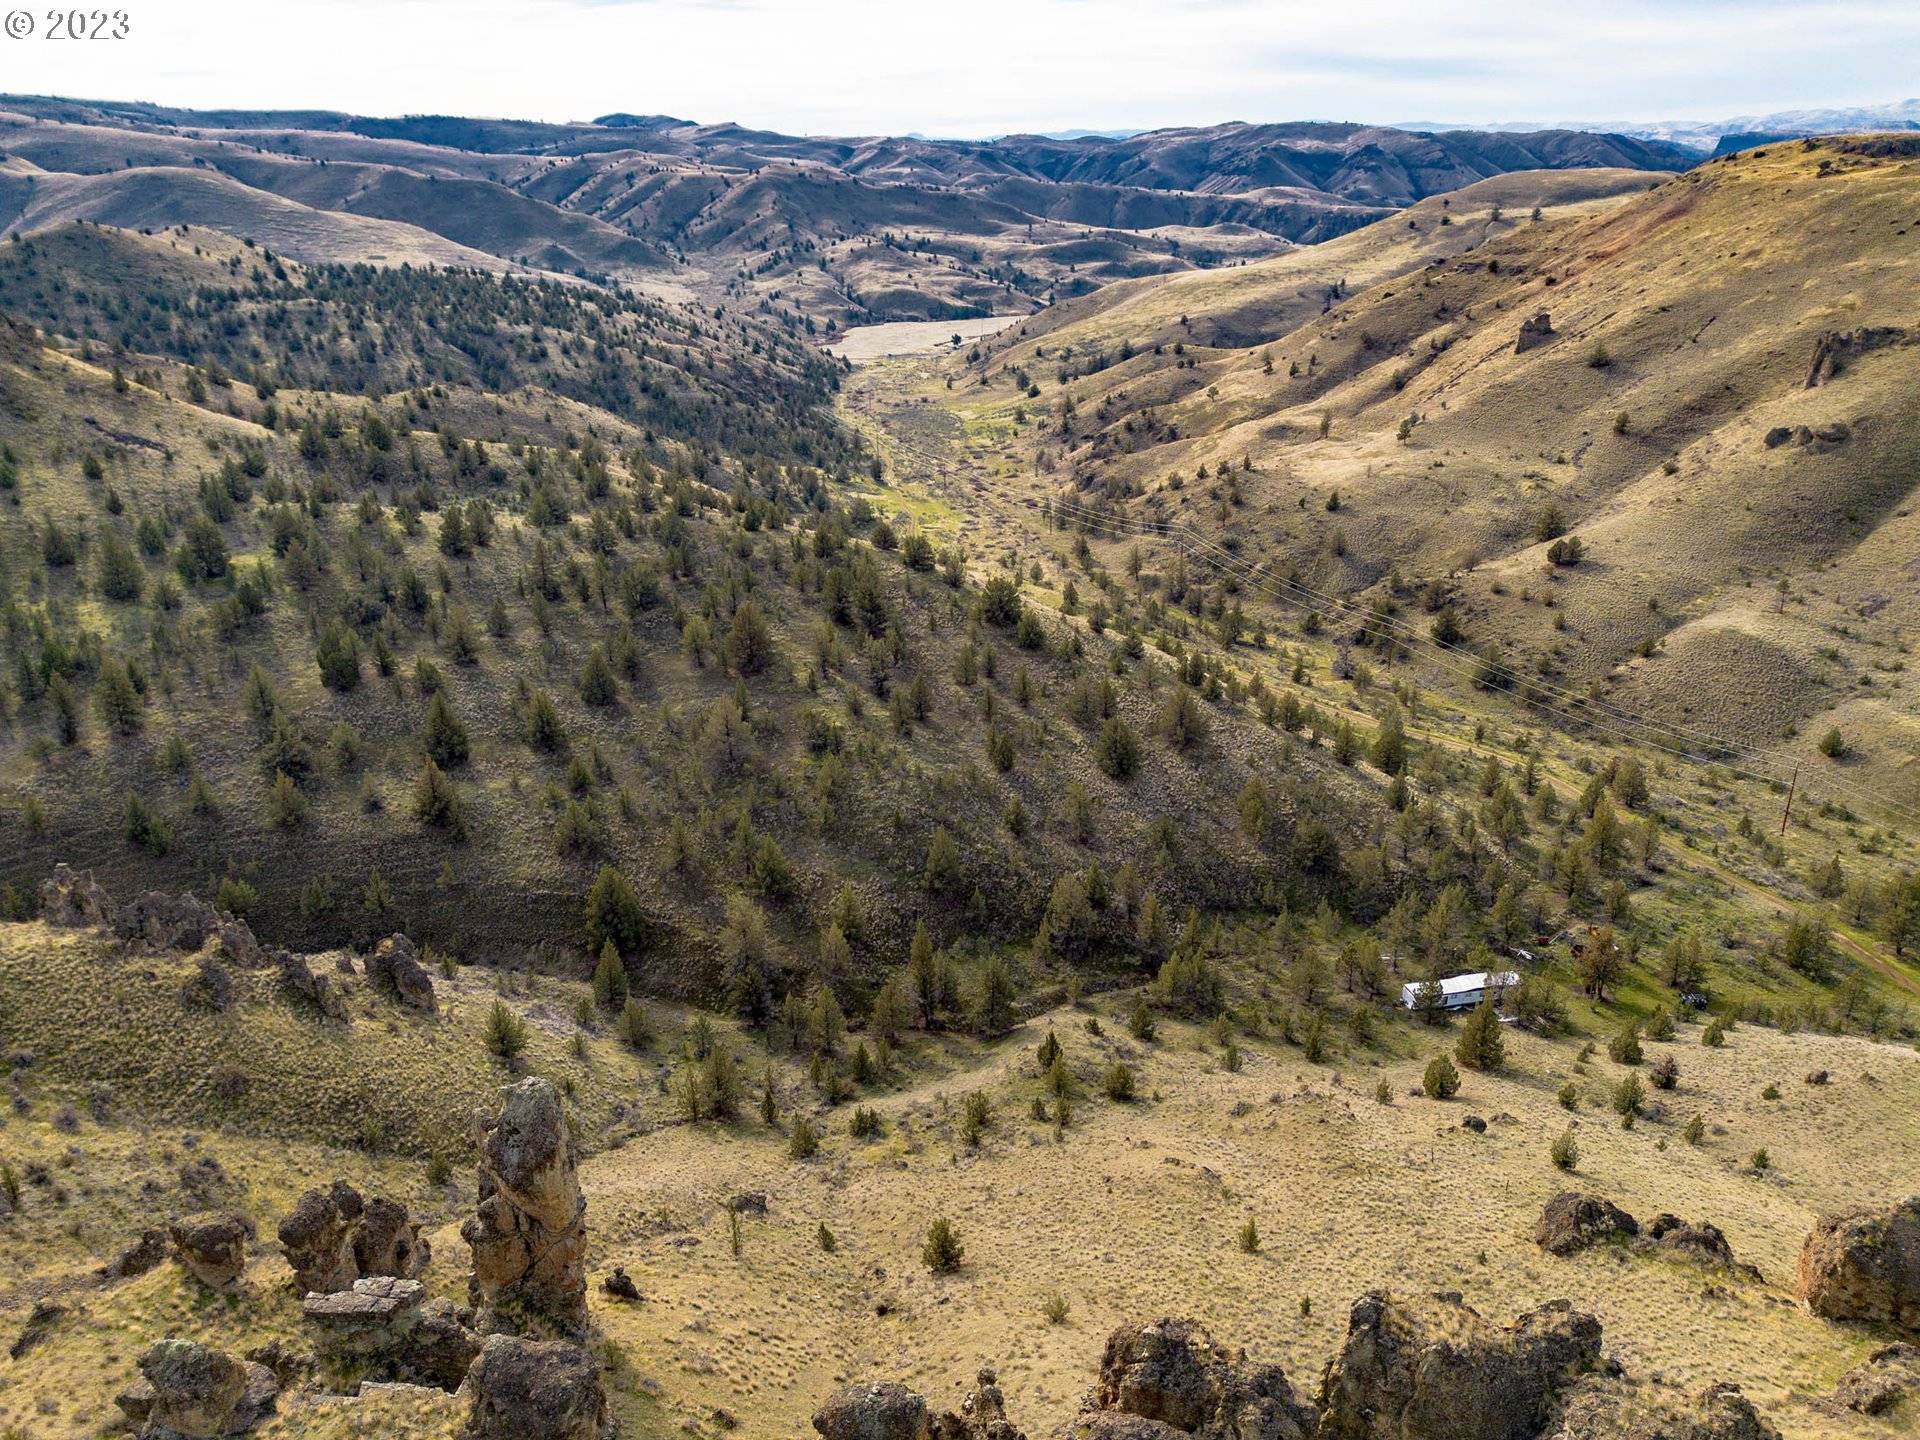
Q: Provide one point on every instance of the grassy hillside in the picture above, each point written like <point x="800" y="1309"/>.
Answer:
<point x="1352" y="1177"/>
<point x="818" y="232"/>
<point x="1717" y="413"/>
<point x="674" y="635"/>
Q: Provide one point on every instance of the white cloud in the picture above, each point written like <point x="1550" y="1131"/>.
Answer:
<point x="869" y="66"/>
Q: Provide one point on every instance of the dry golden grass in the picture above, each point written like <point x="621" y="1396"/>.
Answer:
<point x="1133" y="1211"/>
<point x="1136" y="1213"/>
<point x="1706" y="297"/>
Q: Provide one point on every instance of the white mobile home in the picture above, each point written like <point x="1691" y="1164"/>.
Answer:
<point x="1462" y="992"/>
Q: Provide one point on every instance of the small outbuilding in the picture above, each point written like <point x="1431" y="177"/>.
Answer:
<point x="1463" y="992"/>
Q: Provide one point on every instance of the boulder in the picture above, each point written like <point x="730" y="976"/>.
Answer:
<point x="385" y="1326"/>
<point x="145" y="1252"/>
<point x="1571" y="1222"/>
<point x="72" y="899"/>
<point x="620" y="1286"/>
<point x="528" y="1233"/>
<point x="1172" y="1372"/>
<point x="519" y="1389"/>
<point x="888" y="1410"/>
<point x="1864" y="1266"/>
<point x="386" y="1242"/>
<point x="199" y="1392"/>
<point x="368" y="1318"/>
<point x="303" y="984"/>
<point x="1597" y="1408"/>
<point x="187" y="923"/>
<point x="1700" y="1241"/>
<point x="1440" y="1372"/>
<point x="1534" y="332"/>
<point x="1726" y="1414"/>
<point x="982" y="1414"/>
<point x="45" y="1316"/>
<point x="210" y="988"/>
<point x="878" y="1410"/>
<point x="439" y="1349"/>
<point x="395" y="969"/>
<point x="1881" y="1381"/>
<point x="318" y="1238"/>
<point x="212" y="1247"/>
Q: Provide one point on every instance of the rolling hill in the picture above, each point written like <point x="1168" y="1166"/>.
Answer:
<point x="1705" y="382"/>
<point x="818" y="231"/>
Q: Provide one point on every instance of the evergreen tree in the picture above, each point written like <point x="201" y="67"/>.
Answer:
<point x="445" y="736"/>
<point x="338" y="655"/>
<point x="614" y="914"/>
<point x="1481" y="1045"/>
<point x="610" y="978"/>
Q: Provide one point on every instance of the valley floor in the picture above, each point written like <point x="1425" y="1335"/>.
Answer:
<point x="913" y="337"/>
<point x="1135" y="1212"/>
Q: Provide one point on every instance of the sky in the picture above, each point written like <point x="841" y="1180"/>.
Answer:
<point x="992" y="66"/>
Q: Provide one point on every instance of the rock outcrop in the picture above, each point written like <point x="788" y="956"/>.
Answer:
<point x="1535" y="331"/>
<point x="72" y="899"/>
<point x="1440" y="1372"/>
<point x="888" y="1410"/>
<point x="1602" y="1409"/>
<point x="877" y="1410"/>
<point x="1698" y="1241"/>
<point x="394" y="968"/>
<point x="185" y="924"/>
<point x="332" y="1237"/>
<point x="1864" y="1266"/>
<point x="528" y="1233"/>
<point x="142" y="1254"/>
<point x="1169" y="1378"/>
<point x="387" y="1241"/>
<point x="212" y="1247"/>
<point x="519" y="1389"/>
<point x="305" y="985"/>
<point x="190" y="1391"/>
<point x="1573" y="1222"/>
<point x="1881" y="1381"/>
<point x="317" y="1238"/>
<point x="385" y="1325"/>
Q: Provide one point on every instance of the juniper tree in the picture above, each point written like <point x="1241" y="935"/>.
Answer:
<point x="1481" y="1045"/>
<point x="610" y="978"/>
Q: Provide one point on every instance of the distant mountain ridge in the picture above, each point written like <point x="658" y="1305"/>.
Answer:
<point x="1723" y="136"/>
<point x="820" y="231"/>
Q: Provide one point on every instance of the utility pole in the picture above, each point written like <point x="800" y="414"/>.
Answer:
<point x="1792" y="785"/>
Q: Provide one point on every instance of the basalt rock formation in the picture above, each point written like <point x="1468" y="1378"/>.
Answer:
<point x="522" y="1389"/>
<point x="385" y="1325"/>
<point x="188" y="1391"/>
<point x="212" y="1247"/>
<point x="1438" y="1371"/>
<point x="1881" y="1381"/>
<point x="1864" y="1266"/>
<point x="1572" y="1222"/>
<point x="528" y="1233"/>
<point x="888" y="1410"/>
<point x="1428" y="1370"/>
<point x="73" y="899"/>
<point x="1172" y="1374"/>
<point x="317" y="1238"/>
<point x="394" y="968"/>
